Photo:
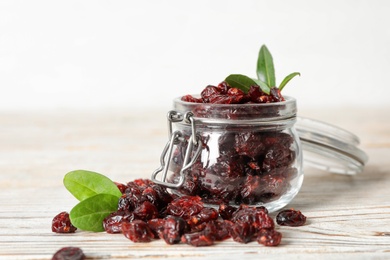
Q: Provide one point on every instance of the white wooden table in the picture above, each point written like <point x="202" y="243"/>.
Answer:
<point x="348" y="216"/>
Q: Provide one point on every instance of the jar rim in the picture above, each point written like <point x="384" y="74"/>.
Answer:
<point x="288" y="100"/>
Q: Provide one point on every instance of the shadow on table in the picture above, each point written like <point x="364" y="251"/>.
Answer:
<point x="322" y="189"/>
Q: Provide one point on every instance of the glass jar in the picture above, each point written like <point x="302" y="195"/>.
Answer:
<point x="233" y="153"/>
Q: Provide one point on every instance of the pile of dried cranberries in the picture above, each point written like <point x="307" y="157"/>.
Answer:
<point x="146" y="211"/>
<point x="224" y="94"/>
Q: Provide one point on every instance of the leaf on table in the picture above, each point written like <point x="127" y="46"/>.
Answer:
<point x="85" y="184"/>
<point x="89" y="214"/>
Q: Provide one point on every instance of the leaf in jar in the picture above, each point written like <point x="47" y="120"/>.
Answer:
<point x="265" y="67"/>
<point x="264" y="87"/>
<point x="287" y="79"/>
<point x="244" y="83"/>
<point x="89" y="214"/>
<point x="85" y="184"/>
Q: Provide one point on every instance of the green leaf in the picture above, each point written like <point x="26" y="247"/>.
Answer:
<point x="89" y="214"/>
<point x="264" y="87"/>
<point x="265" y="67"/>
<point x="287" y="79"/>
<point x="244" y="83"/>
<point x="240" y="81"/>
<point x="85" y="184"/>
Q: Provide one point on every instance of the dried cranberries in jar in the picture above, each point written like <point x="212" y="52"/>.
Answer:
<point x="230" y="147"/>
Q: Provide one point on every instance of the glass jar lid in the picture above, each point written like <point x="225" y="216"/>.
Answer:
<point x="329" y="147"/>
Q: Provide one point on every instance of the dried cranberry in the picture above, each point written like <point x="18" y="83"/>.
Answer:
<point x="223" y="87"/>
<point x="151" y="195"/>
<point x="146" y="211"/>
<point x="191" y="184"/>
<point x="222" y="99"/>
<point x="209" y="92"/>
<point x="189" y="98"/>
<point x="174" y="228"/>
<point x="130" y="200"/>
<point x="163" y="196"/>
<point x="113" y="222"/>
<point x="248" y="221"/>
<point x="256" y="216"/>
<point x="274" y="187"/>
<point x="269" y="237"/>
<point x="290" y="217"/>
<point x="238" y="95"/>
<point x="225" y="143"/>
<point x="220" y="230"/>
<point x="122" y="187"/>
<point x="137" y="231"/>
<point x="143" y="183"/>
<point x="277" y="156"/>
<point x="242" y="232"/>
<point x="224" y="94"/>
<point x="249" y="144"/>
<point x="69" y="253"/>
<point x="254" y="93"/>
<point x="205" y="215"/>
<point x="276" y="95"/>
<point x="226" y="211"/>
<point x="61" y="224"/>
<point x="185" y="206"/>
<point x="251" y="190"/>
<point x="197" y="239"/>
<point x="156" y="225"/>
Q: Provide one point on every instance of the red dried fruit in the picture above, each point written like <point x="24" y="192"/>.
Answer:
<point x="163" y="196"/>
<point x="209" y="92"/>
<point x="290" y="217"/>
<point x="143" y="183"/>
<point x="156" y="225"/>
<point x="251" y="190"/>
<point x="226" y="211"/>
<point x="269" y="237"/>
<point x="189" y="98"/>
<point x="276" y="95"/>
<point x="185" y="206"/>
<point x="224" y="94"/>
<point x="222" y="99"/>
<point x="187" y="219"/>
<point x="197" y="239"/>
<point x="242" y="232"/>
<point x="130" y="200"/>
<point x="218" y="229"/>
<point x="205" y="215"/>
<point x="174" y="228"/>
<point x="113" y="223"/>
<point x="255" y="216"/>
<point x="249" y="144"/>
<point x="69" y="253"/>
<point x="137" y="231"/>
<point x="122" y="187"/>
<point x="254" y="93"/>
<point x="278" y="155"/>
<point x="146" y="211"/>
<point x="61" y="224"/>
<point x="223" y="87"/>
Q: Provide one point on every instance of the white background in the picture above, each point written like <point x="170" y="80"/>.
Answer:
<point x="96" y="54"/>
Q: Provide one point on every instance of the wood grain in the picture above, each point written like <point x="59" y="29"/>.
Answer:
<point x="348" y="216"/>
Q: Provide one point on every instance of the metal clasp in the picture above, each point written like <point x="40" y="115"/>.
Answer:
<point x="176" y="138"/>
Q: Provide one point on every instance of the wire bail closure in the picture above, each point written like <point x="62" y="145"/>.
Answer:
<point x="176" y="138"/>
